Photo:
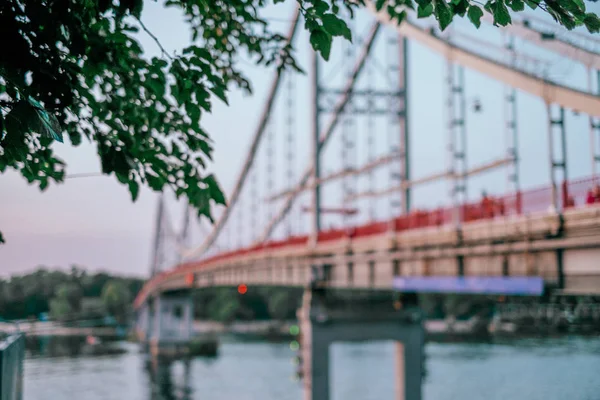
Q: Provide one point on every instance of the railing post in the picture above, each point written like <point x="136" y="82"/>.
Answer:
<point x="558" y="162"/>
<point x="565" y="195"/>
<point x="519" y="202"/>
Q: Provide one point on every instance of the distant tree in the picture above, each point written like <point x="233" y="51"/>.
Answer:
<point x="67" y="301"/>
<point x="60" y="309"/>
<point x="117" y="299"/>
<point x="225" y="306"/>
<point x="282" y="303"/>
<point x="23" y="296"/>
<point x="76" y="69"/>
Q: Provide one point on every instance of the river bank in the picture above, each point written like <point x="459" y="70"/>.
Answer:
<point x="509" y="320"/>
<point x="436" y="330"/>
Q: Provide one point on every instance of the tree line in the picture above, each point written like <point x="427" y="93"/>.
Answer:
<point x="63" y="294"/>
<point x="80" y="295"/>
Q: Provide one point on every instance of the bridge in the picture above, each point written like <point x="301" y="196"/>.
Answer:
<point x="372" y="237"/>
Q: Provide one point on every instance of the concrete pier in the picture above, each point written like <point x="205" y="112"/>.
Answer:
<point x="165" y="325"/>
<point x="326" y="318"/>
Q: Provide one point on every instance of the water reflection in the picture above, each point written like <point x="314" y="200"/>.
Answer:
<point x="159" y="374"/>
<point x="163" y="386"/>
<point x="70" y="346"/>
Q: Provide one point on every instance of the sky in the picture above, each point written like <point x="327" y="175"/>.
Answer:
<point x="91" y="222"/>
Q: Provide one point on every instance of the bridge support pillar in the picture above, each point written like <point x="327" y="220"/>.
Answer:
<point x="171" y="317"/>
<point x="143" y="323"/>
<point x="325" y="319"/>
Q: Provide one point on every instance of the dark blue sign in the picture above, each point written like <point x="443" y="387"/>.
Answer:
<point x="532" y="286"/>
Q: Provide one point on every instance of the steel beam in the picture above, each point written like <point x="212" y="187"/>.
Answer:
<point x="557" y="154"/>
<point x="316" y="152"/>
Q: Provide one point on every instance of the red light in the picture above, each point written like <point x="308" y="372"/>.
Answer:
<point x="189" y="279"/>
<point x="242" y="289"/>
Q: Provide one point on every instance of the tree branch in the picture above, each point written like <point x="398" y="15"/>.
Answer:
<point x="162" y="49"/>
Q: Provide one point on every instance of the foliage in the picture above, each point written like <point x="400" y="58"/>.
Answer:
<point x="283" y="304"/>
<point x="225" y="306"/>
<point x="67" y="300"/>
<point x="29" y="295"/>
<point x="63" y="293"/>
<point x="569" y="13"/>
<point x="76" y="70"/>
<point x="117" y="299"/>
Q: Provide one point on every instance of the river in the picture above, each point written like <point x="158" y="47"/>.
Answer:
<point x="528" y="369"/>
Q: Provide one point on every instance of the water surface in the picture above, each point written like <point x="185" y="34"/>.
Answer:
<point x="541" y="369"/>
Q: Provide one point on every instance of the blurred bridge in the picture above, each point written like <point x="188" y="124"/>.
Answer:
<point x="372" y="234"/>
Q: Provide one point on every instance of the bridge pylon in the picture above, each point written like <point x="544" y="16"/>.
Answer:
<point x="164" y="324"/>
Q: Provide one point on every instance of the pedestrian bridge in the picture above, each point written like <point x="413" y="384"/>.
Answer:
<point x="560" y="247"/>
<point x="550" y="233"/>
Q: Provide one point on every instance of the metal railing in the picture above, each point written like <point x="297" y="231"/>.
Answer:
<point x="12" y="353"/>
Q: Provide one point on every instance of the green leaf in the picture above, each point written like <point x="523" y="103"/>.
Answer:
<point x="122" y="177"/>
<point x="460" y="7"/>
<point x="443" y="13"/>
<point x="134" y="189"/>
<point x="475" y="13"/>
<point x="136" y="8"/>
<point x="220" y="93"/>
<point x="194" y="113"/>
<point x="500" y="12"/>
<point x="336" y="26"/>
<point x="155" y="182"/>
<point x="567" y="21"/>
<point x="531" y="4"/>
<point x="321" y="41"/>
<point x="580" y="4"/>
<point x="571" y="7"/>
<point x="158" y="88"/>
<point x="48" y="124"/>
<point x="592" y="22"/>
<point x="400" y="17"/>
<point x="75" y="137"/>
<point x="426" y="11"/>
<point x="17" y="124"/>
<point x="379" y="4"/>
<point x="2" y="238"/>
<point x="214" y="190"/>
<point x="517" y="5"/>
<point x="320" y="6"/>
